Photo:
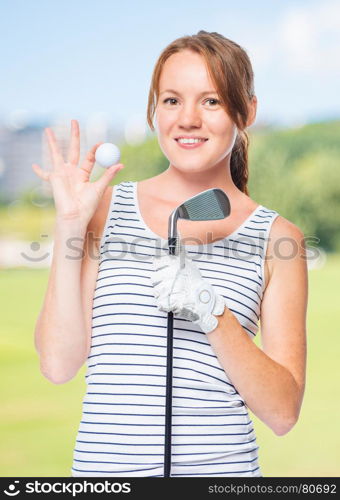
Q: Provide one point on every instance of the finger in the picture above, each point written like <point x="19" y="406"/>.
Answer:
<point x="56" y="155"/>
<point x="105" y="179"/>
<point x="155" y="283"/>
<point x="162" y="262"/>
<point x="164" y="277"/>
<point x="164" y="306"/>
<point x="90" y="159"/>
<point x="74" y="149"/>
<point x="40" y="173"/>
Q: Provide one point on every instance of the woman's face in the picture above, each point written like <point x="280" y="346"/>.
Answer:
<point x="189" y="108"/>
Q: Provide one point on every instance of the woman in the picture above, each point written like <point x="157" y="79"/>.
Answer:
<point x="109" y="306"/>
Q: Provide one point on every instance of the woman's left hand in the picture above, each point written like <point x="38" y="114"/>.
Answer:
<point x="183" y="290"/>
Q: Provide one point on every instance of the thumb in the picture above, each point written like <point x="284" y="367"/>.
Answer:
<point x="107" y="177"/>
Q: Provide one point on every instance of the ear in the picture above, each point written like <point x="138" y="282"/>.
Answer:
<point x="252" y="111"/>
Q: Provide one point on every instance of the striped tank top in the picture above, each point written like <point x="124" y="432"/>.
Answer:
<point x="122" y="428"/>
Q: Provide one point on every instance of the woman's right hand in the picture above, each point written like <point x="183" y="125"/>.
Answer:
<point x="75" y="197"/>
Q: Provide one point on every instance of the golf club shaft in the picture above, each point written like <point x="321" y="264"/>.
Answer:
<point x="172" y="243"/>
<point x="211" y="204"/>
<point x="168" y="404"/>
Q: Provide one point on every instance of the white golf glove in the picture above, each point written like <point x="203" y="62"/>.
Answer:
<point x="183" y="290"/>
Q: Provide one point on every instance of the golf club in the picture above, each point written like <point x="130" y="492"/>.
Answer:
<point x="212" y="204"/>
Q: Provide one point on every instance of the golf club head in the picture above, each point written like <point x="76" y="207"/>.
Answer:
<point x="212" y="204"/>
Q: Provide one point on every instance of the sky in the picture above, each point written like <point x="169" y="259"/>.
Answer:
<point x="81" y="58"/>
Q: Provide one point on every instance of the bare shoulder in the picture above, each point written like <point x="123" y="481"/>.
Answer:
<point x="286" y="245"/>
<point x="284" y="228"/>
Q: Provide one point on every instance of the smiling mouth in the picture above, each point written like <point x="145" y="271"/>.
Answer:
<point x="195" y="140"/>
<point x="189" y="145"/>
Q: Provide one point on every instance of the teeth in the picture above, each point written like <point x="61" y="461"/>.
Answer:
<point x="190" y="141"/>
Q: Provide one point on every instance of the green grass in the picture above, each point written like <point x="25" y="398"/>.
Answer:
<point x="26" y="222"/>
<point x="40" y="420"/>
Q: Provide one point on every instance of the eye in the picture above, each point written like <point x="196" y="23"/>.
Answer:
<point x="213" y="101"/>
<point x="170" y="100"/>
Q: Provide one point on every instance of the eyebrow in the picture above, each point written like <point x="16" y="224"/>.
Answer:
<point x="171" y="91"/>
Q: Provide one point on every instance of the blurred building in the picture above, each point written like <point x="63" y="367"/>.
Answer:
<point x="18" y="150"/>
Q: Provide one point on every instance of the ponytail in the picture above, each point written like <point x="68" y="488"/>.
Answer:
<point x="239" y="162"/>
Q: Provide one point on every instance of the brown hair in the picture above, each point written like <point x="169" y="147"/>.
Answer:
<point x="231" y="71"/>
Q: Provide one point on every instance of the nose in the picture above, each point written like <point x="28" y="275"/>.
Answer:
<point x="189" y="116"/>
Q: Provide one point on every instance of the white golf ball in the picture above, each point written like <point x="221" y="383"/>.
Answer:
<point x="107" y="154"/>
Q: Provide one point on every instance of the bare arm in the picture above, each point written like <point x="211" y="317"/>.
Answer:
<point x="62" y="333"/>
<point x="272" y="380"/>
<point x="68" y="301"/>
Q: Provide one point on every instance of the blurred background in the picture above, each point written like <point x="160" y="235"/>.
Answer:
<point x="92" y="61"/>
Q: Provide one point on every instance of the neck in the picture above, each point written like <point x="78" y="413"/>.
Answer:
<point x="182" y="185"/>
